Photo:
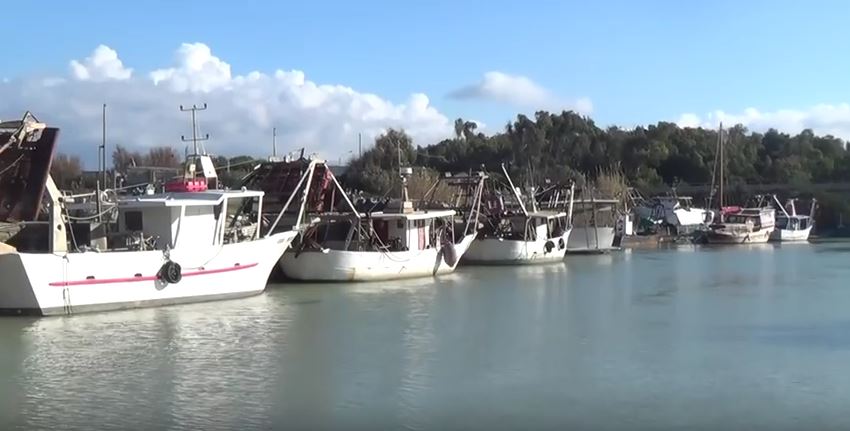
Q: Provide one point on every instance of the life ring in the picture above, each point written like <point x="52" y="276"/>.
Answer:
<point x="170" y="272"/>
<point x="561" y="243"/>
<point x="549" y="246"/>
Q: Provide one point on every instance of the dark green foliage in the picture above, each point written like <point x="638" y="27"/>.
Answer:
<point x="559" y="146"/>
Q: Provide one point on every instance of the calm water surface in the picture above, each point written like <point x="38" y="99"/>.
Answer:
<point x="689" y="338"/>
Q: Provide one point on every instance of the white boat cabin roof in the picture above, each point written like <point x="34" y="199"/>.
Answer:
<point x="415" y="215"/>
<point x="177" y="199"/>
<point x="548" y="215"/>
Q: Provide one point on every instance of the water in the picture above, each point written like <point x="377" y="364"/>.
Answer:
<point x="696" y="338"/>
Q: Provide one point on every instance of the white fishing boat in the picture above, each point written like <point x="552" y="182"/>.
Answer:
<point x="344" y="243"/>
<point x="518" y="236"/>
<point x="176" y="247"/>
<point x="790" y="226"/>
<point x="674" y="212"/>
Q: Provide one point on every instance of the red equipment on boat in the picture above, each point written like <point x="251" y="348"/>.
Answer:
<point x="185" y="185"/>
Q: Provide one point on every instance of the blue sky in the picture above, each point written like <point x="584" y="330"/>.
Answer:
<point x="636" y="62"/>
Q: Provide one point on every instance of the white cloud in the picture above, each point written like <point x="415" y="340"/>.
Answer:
<point x="822" y="119"/>
<point x="519" y="91"/>
<point x="143" y="109"/>
<point x="197" y="70"/>
<point x="102" y="65"/>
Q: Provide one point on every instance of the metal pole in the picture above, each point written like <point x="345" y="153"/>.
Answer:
<point x="103" y="149"/>
<point x="274" y="141"/>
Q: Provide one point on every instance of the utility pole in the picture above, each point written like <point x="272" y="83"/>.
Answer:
<point x="102" y="167"/>
<point x="195" y="139"/>
<point x="274" y="141"/>
<point x="359" y="145"/>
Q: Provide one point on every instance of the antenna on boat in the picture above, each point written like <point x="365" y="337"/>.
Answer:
<point x="102" y="149"/>
<point x="199" y="153"/>
<point x="195" y="139"/>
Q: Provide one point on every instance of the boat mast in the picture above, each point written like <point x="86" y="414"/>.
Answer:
<point x="722" y="170"/>
<point x="513" y="190"/>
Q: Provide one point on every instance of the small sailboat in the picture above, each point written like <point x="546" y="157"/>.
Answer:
<point x="736" y="225"/>
<point x="791" y="226"/>
<point x="513" y="235"/>
<point x="188" y="244"/>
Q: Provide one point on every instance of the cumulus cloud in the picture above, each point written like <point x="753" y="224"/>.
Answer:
<point x="519" y="91"/>
<point x="102" y="65"/>
<point x="243" y="109"/>
<point x="822" y="119"/>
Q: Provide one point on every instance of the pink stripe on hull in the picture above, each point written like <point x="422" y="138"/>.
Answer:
<point x="86" y="282"/>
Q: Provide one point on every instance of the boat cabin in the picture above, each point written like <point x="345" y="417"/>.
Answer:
<point x="417" y="230"/>
<point x="534" y="226"/>
<point x="188" y="219"/>
<point x="793" y="222"/>
<point x="758" y="218"/>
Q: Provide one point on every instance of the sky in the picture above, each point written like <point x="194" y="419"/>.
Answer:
<point x="324" y="72"/>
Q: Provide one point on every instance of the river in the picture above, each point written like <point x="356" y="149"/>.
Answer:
<point x="751" y="337"/>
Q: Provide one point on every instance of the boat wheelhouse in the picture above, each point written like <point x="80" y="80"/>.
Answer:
<point x="594" y="226"/>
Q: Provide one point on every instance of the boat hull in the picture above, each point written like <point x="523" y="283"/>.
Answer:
<point x="338" y="265"/>
<point x="787" y="235"/>
<point x="585" y="240"/>
<point x="721" y="237"/>
<point x="495" y="251"/>
<point x="52" y="284"/>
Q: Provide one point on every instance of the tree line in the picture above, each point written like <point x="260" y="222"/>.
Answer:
<point x="569" y="146"/>
<point x="563" y="146"/>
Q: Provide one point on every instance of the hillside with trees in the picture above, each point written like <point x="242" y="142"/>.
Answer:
<point x="566" y="146"/>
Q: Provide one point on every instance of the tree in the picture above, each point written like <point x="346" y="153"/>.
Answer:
<point x="66" y="171"/>
<point x="123" y="158"/>
<point x="163" y="157"/>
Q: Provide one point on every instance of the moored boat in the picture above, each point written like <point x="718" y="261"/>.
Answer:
<point x="513" y="235"/>
<point x="742" y="226"/>
<point x="175" y="247"/>
<point x="790" y="226"/>
<point x="345" y="243"/>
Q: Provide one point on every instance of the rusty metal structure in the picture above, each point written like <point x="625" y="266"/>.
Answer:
<point x="26" y="150"/>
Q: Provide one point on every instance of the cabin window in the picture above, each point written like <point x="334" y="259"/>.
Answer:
<point x="133" y="221"/>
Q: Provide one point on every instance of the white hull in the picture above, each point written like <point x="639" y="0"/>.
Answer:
<point x="725" y="237"/>
<point x="787" y="235"/>
<point x="337" y="265"/>
<point x="584" y="239"/>
<point x="49" y="284"/>
<point x="494" y="251"/>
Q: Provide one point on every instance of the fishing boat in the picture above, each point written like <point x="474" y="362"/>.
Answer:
<point x="790" y="226"/>
<point x="343" y="242"/>
<point x="737" y="225"/>
<point x="675" y="214"/>
<point x="513" y="235"/>
<point x="189" y="244"/>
